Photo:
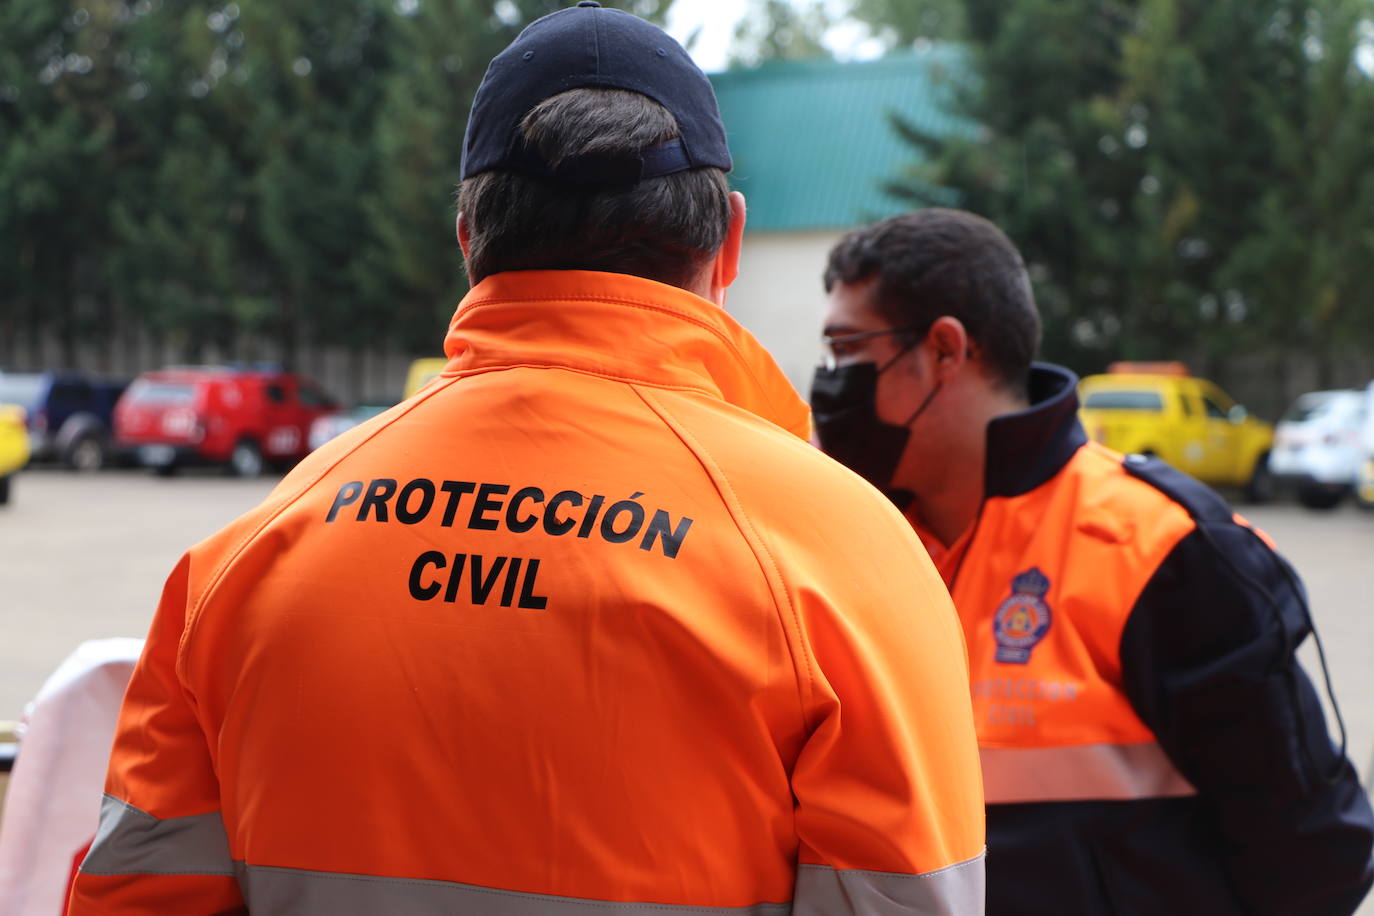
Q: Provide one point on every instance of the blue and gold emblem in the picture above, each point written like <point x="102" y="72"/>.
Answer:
<point x="1023" y="619"/>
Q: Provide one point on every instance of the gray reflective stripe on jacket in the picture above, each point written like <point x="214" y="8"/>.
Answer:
<point x="1083" y="773"/>
<point x="280" y="891"/>
<point x="953" y="891"/>
<point x="133" y="842"/>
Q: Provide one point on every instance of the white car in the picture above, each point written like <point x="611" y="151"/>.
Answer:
<point x="326" y="427"/>
<point x="1318" y="448"/>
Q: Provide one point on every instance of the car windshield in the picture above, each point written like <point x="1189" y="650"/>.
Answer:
<point x="150" y="392"/>
<point x="1124" y="400"/>
<point x="1311" y="406"/>
<point x="21" y="388"/>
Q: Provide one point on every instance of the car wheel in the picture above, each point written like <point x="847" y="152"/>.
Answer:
<point x="86" y="454"/>
<point x="4" y="489"/>
<point x="1260" y="487"/>
<point x="1320" y="497"/>
<point x="246" y="459"/>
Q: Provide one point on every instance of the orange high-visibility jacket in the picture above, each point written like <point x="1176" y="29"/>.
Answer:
<point x="1149" y="742"/>
<point x="586" y="625"/>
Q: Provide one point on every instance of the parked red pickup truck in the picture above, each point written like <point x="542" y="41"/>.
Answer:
<point x="244" y="419"/>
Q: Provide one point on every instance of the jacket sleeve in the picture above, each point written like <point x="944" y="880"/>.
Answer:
<point x="161" y="845"/>
<point x="1209" y="661"/>
<point x="889" y="803"/>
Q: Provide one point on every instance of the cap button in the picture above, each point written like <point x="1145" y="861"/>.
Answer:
<point x="588" y="3"/>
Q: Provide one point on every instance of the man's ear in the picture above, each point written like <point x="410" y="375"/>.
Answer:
<point x="726" y="267"/>
<point x="464" y="234"/>
<point x="949" y="342"/>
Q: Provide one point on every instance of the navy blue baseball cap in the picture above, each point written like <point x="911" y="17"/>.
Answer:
<point x="588" y="46"/>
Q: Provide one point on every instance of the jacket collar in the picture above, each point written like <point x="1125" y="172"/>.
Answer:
<point x="621" y="327"/>
<point x="1027" y="448"/>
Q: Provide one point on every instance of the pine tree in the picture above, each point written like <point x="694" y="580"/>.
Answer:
<point x="218" y="171"/>
<point x="59" y="148"/>
<point x="1165" y="166"/>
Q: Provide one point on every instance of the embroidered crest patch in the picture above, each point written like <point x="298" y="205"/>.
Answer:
<point x="1023" y="619"/>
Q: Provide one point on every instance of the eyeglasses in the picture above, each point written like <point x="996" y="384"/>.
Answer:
<point x="836" y="344"/>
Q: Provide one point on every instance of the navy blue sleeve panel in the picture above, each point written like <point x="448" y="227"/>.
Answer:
<point x="1141" y="857"/>
<point x="1208" y="660"/>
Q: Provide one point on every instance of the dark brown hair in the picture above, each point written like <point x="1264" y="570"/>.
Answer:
<point x="662" y="228"/>
<point x="939" y="262"/>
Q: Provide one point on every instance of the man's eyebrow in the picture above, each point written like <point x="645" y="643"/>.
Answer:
<point x="835" y="330"/>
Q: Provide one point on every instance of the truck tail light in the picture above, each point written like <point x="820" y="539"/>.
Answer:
<point x="181" y="423"/>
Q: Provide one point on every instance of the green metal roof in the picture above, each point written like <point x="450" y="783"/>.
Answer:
<point x="812" y="140"/>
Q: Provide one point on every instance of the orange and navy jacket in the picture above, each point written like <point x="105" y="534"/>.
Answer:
<point x="1149" y="742"/>
<point x="584" y="626"/>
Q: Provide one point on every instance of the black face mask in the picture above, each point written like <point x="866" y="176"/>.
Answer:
<point x="843" y="407"/>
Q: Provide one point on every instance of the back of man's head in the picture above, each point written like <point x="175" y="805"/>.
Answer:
<point x="947" y="262"/>
<point x="594" y="144"/>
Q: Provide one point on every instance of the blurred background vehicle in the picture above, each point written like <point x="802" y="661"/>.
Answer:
<point x="420" y="372"/>
<point x="1158" y="409"/>
<point x="70" y="415"/>
<point x="1317" y="446"/>
<point x="329" y="425"/>
<point x="1364" y="484"/>
<point x="242" y="418"/>
<point x="14" y="446"/>
<point x="1364" y="476"/>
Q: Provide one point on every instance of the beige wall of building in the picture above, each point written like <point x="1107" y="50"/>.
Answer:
<point x="779" y="296"/>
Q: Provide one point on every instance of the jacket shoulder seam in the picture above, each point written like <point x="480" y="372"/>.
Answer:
<point x="777" y="585"/>
<point x="199" y="602"/>
<point x="1201" y="503"/>
<point x="1165" y="538"/>
<point x="1162" y="499"/>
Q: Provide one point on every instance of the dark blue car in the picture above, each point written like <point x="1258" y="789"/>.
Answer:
<point x="70" y="415"/>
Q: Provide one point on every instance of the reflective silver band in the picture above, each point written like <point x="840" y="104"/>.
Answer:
<point x="282" y="891"/>
<point x="133" y="842"/>
<point x="953" y="891"/>
<point x="1087" y="772"/>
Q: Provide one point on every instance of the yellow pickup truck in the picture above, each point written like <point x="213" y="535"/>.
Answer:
<point x="421" y="371"/>
<point x="1188" y="422"/>
<point x="14" y="446"/>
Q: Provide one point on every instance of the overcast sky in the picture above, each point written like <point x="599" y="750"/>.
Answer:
<point x="848" y="41"/>
<point x="717" y="20"/>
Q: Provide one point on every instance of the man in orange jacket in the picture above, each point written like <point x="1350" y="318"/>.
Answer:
<point x="1149" y="743"/>
<point x="583" y="626"/>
